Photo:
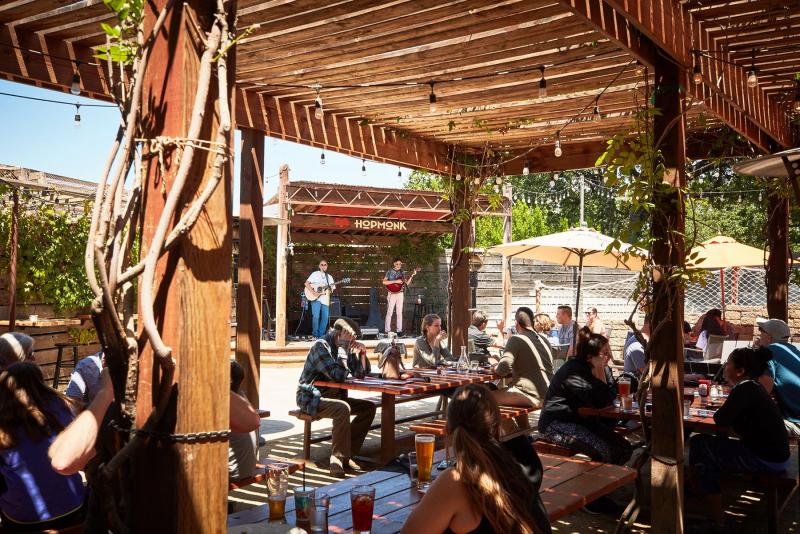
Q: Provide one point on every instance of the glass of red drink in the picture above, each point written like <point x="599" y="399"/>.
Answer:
<point x="362" y="503"/>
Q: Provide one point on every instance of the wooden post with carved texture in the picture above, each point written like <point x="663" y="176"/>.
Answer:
<point x="280" y="262"/>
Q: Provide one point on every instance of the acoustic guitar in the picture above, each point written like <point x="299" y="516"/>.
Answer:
<point x="398" y="285"/>
<point x="319" y="290"/>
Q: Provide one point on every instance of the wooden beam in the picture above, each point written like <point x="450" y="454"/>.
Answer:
<point x="666" y="343"/>
<point x="778" y="261"/>
<point x="348" y="135"/>
<point x="282" y="243"/>
<point x="347" y="239"/>
<point x="251" y="262"/>
<point x="368" y="225"/>
<point x="673" y="29"/>
<point x="192" y="280"/>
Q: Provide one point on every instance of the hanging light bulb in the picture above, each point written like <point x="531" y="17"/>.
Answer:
<point x="639" y="69"/>
<point x="557" y="151"/>
<point x="697" y="74"/>
<point x="740" y="198"/>
<point x="496" y="188"/>
<point x="498" y="180"/>
<point x="526" y="170"/>
<point x="752" y="77"/>
<point x="458" y="177"/>
<point x="75" y="88"/>
<point x="542" y="84"/>
<point x="432" y="99"/>
<point x="77" y="119"/>
<point x="760" y="197"/>
<point x="553" y="181"/>
<point x="477" y="181"/>
<point x="318" y="106"/>
<point x="322" y="158"/>
<point x="596" y="112"/>
<point x="364" y="168"/>
<point x="399" y="173"/>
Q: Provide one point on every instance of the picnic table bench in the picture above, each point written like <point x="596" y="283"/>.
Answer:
<point x="568" y="485"/>
<point x="438" y="427"/>
<point x="391" y="390"/>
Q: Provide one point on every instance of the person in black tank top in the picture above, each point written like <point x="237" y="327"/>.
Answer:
<point x="763" y="444"/>
<point x="494" y="487"/>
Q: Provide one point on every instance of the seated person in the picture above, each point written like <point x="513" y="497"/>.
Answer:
<point x="783" y="372"/>
<point x="763" y="445"/>
<point x="331" y="358"/>
<point x="566" y="330"/>
<point x="15" y="347"/>
<point x="36" y="497"/>
<point x="712" y="326"/>
<point x="688" y="339"/>
<point x="633" y="352"/>
<point x="528" y="360"/>
<point x="583" y="381"/>
<point x="594" y="323"/>
<point x="479" y="340"/>
<point x="242" y="446"/>
<point x="542" y="323"/>
<point x="428" y="349"/>
<point x="457" y="500"/>
<point x="84" y="383"/>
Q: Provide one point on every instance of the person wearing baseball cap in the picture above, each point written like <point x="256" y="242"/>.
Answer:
<point x="783" y="372"/>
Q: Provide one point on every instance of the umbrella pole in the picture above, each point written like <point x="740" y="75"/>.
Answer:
<point x="722" y="290"/>
<point x="577" y="303"/>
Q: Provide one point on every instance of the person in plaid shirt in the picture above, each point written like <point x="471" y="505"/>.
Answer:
<point x="331" y="358"/>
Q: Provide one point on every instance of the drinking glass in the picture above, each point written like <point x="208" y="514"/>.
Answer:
<point x="413" y="469"/>
<point x="687" y="405"/>
<point x="303" y="504"/>
<point x="319" y="514"/>
<point x="424" y="444"/>
<point x="362" y="503"/>
<point x="277" y="486"/>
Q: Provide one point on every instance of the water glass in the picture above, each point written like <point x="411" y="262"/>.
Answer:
<point x="687" y="405"/>
<point x="319" y="513"/>
<point x="362" y="504"/>
<point x="413" y="469"/>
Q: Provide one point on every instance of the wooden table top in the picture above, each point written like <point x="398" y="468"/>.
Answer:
<point x="448" y="379"/>
<point x="701" y="415"/>
<point x="568" y="485"/>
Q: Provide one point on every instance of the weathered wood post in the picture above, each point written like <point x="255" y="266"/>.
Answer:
<point x="12" y="264"/>
<point x="251" y="261"/>
<point x="182" y="487"/>
<point x="459" y="315"/>
<point x="666" y="356"/>
<point x="778" y="261"/>
<point x="507" y="238"/>
<point x="280" y="262"/>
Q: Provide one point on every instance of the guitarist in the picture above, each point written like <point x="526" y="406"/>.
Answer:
<point x="395" y="283"/>
<point x="319" y="307"/>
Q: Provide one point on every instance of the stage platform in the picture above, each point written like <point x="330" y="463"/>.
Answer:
<point x="295" y="351"/>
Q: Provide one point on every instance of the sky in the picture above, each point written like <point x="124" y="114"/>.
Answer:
<point x="42" y="136"/>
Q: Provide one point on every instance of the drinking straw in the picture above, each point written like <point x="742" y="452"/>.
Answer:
<point x="304" y="475"/>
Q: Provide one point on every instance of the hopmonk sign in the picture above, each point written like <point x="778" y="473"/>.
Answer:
<point x="368" y="225"/>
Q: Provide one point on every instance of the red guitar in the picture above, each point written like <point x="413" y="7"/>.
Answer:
<point x="397" y="285"/>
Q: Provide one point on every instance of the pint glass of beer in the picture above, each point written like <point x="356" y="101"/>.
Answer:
<point x="424" y="444"/>
<point x="277" y="486"/>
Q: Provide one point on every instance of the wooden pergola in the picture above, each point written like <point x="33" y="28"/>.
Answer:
<point x="375" y="64"/>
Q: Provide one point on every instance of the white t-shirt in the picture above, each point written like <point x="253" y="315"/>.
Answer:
<point x="319" y="278"/>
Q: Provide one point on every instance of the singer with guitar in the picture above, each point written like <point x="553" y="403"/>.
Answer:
<point x="321" y="284"/>
<point x="395" y="282"/>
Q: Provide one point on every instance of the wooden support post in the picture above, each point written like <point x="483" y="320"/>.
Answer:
<point x="778" y="262"/>
<point x="280" y="261"/>
<point x="183" y="487"/>
<point x="666" y="353"/>
<point x="459" y="290"/>
<point x="251" y="261"/>
<point x="12" y="264"/>
<point x="507" y="238"/>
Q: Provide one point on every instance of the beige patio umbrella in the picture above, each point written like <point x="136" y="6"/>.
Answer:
<point x="721" y="252"/>
<point x="578" y="247"/>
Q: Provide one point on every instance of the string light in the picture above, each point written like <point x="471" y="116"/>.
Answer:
<point x="526" y="170"/>
<point x="752" y="77"/>
<point x="399" y="173"/>
<point x="542" y="84"/>
<point x="322" y="158"/>
<point x="75" y="88"/>
<point x="596" y="112"/>
<point x="364" y="168"/>
<point x="432" y="100"/>
<point x="77" y="119"/>
<point x="318" y="113"/>
<point x="639" y="69"/>
<point x="697" y="74"/>
<point x="557" y="151"/>
<point x="498" y="180"/>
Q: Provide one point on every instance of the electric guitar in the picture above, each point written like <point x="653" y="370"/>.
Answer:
<point x="398" y="285"/>
<point x="319" y="290"/>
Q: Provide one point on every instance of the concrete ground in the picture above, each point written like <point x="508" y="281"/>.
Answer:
<point x="284" y="438"/>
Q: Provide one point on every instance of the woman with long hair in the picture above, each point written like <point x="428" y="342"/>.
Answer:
<point x="712" y="325"/>
<point x="31" y="415"/>
<point x="428" y="349"/>
<point x="486" y="491"/>
<point x="584" y="381"/>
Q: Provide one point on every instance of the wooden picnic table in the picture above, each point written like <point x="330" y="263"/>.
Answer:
<point x="568" y="485"/>
<point x="390" y="389"/>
